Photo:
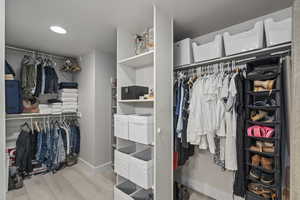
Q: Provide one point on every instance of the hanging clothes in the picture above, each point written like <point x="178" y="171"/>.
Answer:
<point x="28" y="77"/>
<point x="182" y="149"/>
<point x="240" y="181"/>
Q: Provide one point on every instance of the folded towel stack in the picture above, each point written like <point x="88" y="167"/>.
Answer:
<point x="45" y="109"/>
<point x="56" y="108"/>
<point x="69" y="98"/>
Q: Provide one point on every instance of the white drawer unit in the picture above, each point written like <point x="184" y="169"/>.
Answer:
<point x="141" y="169"/>
<point x="124" y="190"/>
<point x="121" y="126"/>
<point x="208" y="51"/>
<point x="141" y="129"/>
<point x="123" y="159"/>
<point x="244" y="41"/>
<point x="183" y="53"/>
<point x="278" y="32"/>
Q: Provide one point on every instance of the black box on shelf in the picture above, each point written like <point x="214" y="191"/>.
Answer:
<point x="133" y="92"/>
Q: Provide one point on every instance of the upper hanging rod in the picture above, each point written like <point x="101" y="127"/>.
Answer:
<point x="40" y="116"/>
<point x="242" y="57"/>
<point x="14" y="48"/>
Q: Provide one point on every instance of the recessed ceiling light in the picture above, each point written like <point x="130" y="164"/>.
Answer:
<point x="58" y="29"/>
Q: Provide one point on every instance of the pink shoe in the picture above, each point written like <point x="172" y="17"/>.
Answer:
<point x="269" y="132"/>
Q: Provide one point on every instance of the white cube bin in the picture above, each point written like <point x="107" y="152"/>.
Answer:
<point x="121" y="126"/>
<point x="141" y="129"/>
<point x="124" y="190"/>
<point x="208" y="51"/>
<point x="123" y="159"/>
<point x="141" y="169"/>
<point x="278" y="32"/>
<point x="244" y="41"/>
<point x="183" y="53"/>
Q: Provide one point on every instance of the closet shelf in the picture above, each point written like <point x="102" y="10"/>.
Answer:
<point x="139" y="61"/>
<point x="245" y="56"/>
<point x="137" y="101"/>
<point x="264" y="93"/>
<point x="262" y="153"/>
<point x="38" y="115"/>
<point x="262" y="138"/>
<point x="263" y="107"/>
<point x="264" y="123"/>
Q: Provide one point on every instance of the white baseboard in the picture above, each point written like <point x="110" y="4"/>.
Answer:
<point x="96" y="169"/>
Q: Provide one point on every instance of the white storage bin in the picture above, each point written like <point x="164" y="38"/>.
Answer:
<point x="122" y="160"/>
<point x="183" y="52"/>
<point x="141" y="169"/>
<point x="121" y="126"/>
<point x="141" y="129"/>
<point x="124" y="190"/>
<point x="209" y="50"/>
<point x="278" y="32"/>
<point x="245" y="41"/>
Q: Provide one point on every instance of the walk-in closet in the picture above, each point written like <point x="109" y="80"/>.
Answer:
<point x="149" y="100"/>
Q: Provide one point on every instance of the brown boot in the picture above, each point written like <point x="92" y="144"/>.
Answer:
<point x="267" y="163"/>
<point x="255" y="160"/>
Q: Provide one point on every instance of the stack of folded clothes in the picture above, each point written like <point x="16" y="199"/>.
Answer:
<point x="68" y="94"/>
<point x="45" y="109"/>
<point x="56" y="106"/>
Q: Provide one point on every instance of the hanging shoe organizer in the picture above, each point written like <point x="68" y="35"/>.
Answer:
<point x="264" y="113"/>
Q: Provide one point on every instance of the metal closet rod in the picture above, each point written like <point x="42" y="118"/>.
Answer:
<point x="43" y="117"/>
<point x="14" y="48"/>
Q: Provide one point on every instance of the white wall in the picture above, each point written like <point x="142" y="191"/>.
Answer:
<point x="2" y="103"/>
<point x="105" y="69"/>
<point x="86" y="82"/>
<point x="94" y="104"/>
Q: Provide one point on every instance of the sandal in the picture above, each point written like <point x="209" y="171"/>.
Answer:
<point x="268" y="147"/>
<point x="258" y="116"/>
<point x="255" y="160"/>
<point x="260" y="131"/>
<point x="267" y="85"/>
<point x="267" y="163"/>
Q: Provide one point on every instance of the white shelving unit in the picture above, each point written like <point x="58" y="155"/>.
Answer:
<point x="136" y="101"/>
<point x="152" y="69"/>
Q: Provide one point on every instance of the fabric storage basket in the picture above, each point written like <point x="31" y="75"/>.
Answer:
<point x="122" y="160"/>
<point x="209" y="50"/>
<point x="183" y="52"/>
<point x="141" y="169"/>
<point x="278" y="32"/>
<point x="141" y="129"/>
<point x="142" y="194"/>
<point x="245" y="41"/>
<point x="124" y="190"/>
<point x="121" y="126"/>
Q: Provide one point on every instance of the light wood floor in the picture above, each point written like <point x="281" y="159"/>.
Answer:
<point x="74" y="183"/>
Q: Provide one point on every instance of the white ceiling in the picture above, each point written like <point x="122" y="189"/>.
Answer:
<point x="91" y="23"/>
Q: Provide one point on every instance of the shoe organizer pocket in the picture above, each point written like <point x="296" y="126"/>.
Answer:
<point x="141" y="169"/>
<point x="124" y="190"/>
<point x="121" y="126"/>
<point x="141" y="129"/>
<point x="122" y="160"/>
